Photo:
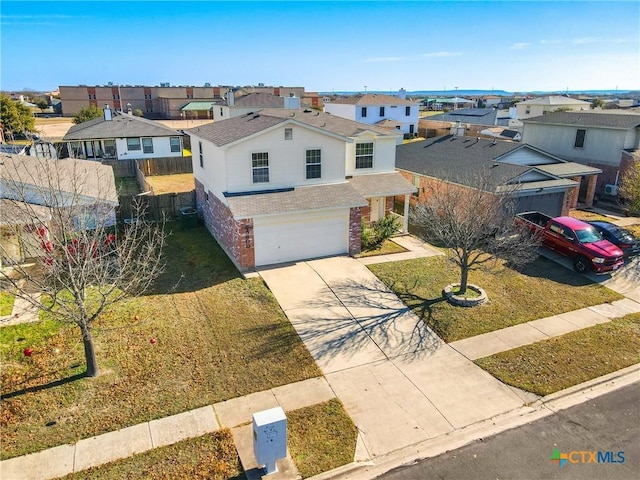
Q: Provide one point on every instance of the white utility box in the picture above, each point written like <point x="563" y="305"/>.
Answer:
<point x="269" y="437"/>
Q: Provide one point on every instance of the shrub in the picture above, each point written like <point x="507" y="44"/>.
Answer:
<point x="374" y="235"/>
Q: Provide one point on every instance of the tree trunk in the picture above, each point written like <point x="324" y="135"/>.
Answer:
<point x="89" y="351"/>
<point x="464" y="276"/>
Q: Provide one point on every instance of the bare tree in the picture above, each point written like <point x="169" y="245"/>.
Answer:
<point x="475" y="220"/>
<point x="61" y="213"/>
<point x="630" y="186"/>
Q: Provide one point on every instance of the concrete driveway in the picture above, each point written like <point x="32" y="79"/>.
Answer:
<point x="397" y="380"/>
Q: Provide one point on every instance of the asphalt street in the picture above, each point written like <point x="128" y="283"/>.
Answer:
<point x="608" y="425"/>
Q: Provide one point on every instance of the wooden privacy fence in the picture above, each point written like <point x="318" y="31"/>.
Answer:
<point x="166" y="206"/>
<point x="150" y="166"/>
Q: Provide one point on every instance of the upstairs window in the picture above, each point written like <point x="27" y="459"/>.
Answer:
<point x="364" y="112"/>
<point x="147" y="145"/>
<point x="201" y="155"/>
<point x="382" y="111"/>
<point x="175" y="144"/>
<point x="314" y="164"/>
<point x="288" y="133"/>
<point x="581" y="133"/>
<point x="364" y="155"/>
<point x="407" y="111"/>
<point x="260" y="167"/>
<point x="133" y="143"/>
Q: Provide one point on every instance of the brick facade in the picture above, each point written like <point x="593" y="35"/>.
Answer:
<point x="235" y="237"/>
<point x="355" y="230"/>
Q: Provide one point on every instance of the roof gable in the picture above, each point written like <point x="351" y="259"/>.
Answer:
<point x="121" y="125"/>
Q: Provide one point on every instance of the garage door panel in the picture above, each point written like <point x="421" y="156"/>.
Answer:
<point x="295" y="237"/>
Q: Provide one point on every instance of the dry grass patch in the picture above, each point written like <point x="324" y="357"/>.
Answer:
<point x="539" y="290"/>
<point x="217" y="336"/>
<point x="180" y="182"/>
<point x="210" y="457"/>
<point x="321" y="437"/>
<point x="587" y="216"/>
<point x="561" y="362"/>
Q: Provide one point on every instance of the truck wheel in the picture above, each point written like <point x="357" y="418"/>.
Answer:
<point x="581" y="264"/>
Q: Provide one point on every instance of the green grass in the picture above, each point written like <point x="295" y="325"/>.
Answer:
<point x="211" y="456"/>
<point x="321" y="437"/>
<point x="541" y="289"/>
<point x="387" y="247"/>
<point x="6" y="303"/>
<point x="561" y="362"/>
<point x="217" y="336"/>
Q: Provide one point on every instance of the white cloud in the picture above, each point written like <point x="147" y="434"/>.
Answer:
<point x="383" y="59"/>
<point x="442" y="54"/>
<point x="582" y="41"/>
<point x="519" y="46"/>
<point x="550" y="42"/>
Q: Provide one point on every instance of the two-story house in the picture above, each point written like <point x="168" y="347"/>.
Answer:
<point x="378" y="109"/>
<point x="543" y="105"/>
<point x="122" y="136"/>
<point x="280" y="185"/>
<point x="603" y="139"/>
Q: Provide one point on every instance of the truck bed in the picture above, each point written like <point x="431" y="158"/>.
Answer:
<point x="537" y="218"/>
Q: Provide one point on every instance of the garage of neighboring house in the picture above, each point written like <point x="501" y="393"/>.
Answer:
<point x="285" y="238"/>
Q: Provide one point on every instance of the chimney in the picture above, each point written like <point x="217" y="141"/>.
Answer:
<point x="107" y="112"/>
<point x="402" y="93"/>
<point x="230" y="98"/>
<point x="129" y="111"/>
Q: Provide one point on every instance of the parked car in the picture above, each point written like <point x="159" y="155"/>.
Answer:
<point x="619" y="236"/>
<point x="576" y="239"/>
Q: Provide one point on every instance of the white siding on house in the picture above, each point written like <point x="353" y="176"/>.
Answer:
<point x="526" y="156"/>
<point x="600" y="145"/>
<point x="384" y="155"/>
<point x="161" y="148"/>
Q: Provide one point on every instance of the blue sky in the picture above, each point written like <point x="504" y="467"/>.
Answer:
<point x="324" y="46"/>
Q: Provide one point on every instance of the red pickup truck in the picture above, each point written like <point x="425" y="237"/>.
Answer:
<point x="575" y="239"/>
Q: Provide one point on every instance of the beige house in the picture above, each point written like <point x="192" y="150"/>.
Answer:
<point x="543" y="105"/>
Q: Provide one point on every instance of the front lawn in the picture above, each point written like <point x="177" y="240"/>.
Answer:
<point x="6" y="303"/>
<point x="561" y="362"/>
<point x="539" y="290"/>
<point x="216" y="336"/>
<point x="210" y="457"/>
<point x="387" y="247"/>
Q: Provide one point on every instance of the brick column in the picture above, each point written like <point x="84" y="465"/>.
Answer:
<point x="355" y="230"/>
<point x="591" y="190"/>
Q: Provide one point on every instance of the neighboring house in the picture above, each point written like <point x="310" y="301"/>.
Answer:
<point x="240" y="104"/>
<point x="467" y="121"/>
<point x="29" y="186"/>
<point x="121" y="136"/>
<point x="449" y="103"/>
<point x="544" y="105"/>
<point x="376" y="109"/>
<point x="540" y="181"/>
<point x="281" y="185"/>
<point x="608" y="140"/>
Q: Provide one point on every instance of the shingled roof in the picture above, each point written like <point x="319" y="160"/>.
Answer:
<point x="459" y="159"/>
<point x="231" y="130"/>
<point x="475" y="116"/>
<point x="622" y="121"/>
<point x="121" y="125"/>
<point x="373" y="99"/>
<point x="259" y="100"/>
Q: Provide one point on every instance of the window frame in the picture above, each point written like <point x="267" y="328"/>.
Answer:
<point x="363" y="112"/>
<point x="381" y="112"/>
<point x="171" y="145"/>
<point x="288" y="133"/>
<point x="579" y="142"/>
<point x="131" y="147"/>
<point x="313" y="165"/>
<point x="201" y="154"/>
<point x="407" y="111"/>
<point x="110" y="148"/>
<point x="259" y="172"/>
<point x="361" y="156"/>
<point x="147" y="148"/>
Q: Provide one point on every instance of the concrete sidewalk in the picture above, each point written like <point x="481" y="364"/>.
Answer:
<point x="235" y="414"/>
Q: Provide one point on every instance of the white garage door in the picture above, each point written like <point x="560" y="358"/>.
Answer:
<point x="288" y="238"/>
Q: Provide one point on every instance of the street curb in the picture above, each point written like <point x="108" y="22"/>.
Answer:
<point x="433" y="447"/>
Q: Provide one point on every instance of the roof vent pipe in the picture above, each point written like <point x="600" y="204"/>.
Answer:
<point x="107" y="112"/>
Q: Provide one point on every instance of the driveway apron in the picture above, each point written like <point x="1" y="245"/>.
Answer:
<point x="398" y="381"/>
